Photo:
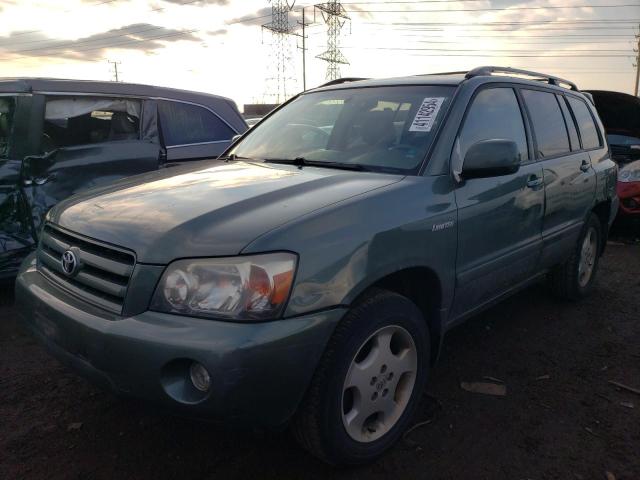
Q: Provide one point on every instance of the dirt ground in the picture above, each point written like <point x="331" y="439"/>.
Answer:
<point x="560" y="419"/>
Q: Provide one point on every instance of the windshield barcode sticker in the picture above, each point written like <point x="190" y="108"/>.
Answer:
<point x="427" y="114"/>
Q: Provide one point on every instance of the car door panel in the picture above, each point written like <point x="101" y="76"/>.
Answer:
<point x="570" y="189"/>
<point x="500" y="217"/>
<point x="196" y="151"/>
<point x="49" y="178"/>
<point x="499" y="221"/>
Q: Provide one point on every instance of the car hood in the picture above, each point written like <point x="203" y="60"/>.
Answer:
<point x="211" y="211"/>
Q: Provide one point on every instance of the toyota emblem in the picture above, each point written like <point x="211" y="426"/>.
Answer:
<point x="69" y="262"/>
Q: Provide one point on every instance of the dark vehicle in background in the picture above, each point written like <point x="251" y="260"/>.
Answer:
<point x="620" y="114"/>
<point x="59" y="137"/>
<point x="311" y="277"/>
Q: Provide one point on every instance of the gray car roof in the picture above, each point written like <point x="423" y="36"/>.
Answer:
<point x="453" y="79"/>
<point x="221" y="105"/>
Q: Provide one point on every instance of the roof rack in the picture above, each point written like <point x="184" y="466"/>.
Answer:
<point x="338" y="81"/>
<point x="551" y="80"/>
<point x="463" y="72"/>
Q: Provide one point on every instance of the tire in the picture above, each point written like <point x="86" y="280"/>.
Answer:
<point x="327" y="422"/>
<point x="568" y="280"/>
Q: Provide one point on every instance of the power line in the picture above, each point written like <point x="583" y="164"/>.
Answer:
<point x="497" y="9"/>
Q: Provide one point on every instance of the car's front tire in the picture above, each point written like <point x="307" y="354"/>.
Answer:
<point x="368" y="383"/>
<point x="575" y="278"/>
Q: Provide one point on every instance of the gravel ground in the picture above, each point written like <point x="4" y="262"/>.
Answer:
<point x="560" y="418"/>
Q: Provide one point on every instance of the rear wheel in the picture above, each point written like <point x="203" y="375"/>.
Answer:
<point x="368" y="382"/>
<point x="575" y="277"/>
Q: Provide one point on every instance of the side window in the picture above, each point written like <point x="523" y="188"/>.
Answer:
<point x="548" y="123"/>
<point x="7" y="107"/>
<point x="494" y="114"/>
<point x="183" y="124"/>
<point x="586" y="125"/>
<point x="571" y="124"/>
<point x="70" y="121"/>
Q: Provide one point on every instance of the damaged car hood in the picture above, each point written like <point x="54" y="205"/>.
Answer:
<point x="211" y="211"/>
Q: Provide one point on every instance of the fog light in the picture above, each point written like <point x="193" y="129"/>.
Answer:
<point x="200" y="377"/>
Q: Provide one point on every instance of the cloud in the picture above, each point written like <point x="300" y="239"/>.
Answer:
<point x="143" y="37"/>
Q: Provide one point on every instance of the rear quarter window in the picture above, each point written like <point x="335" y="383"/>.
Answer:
<point x="586" y="124"/>
<point x="185" y="124"/>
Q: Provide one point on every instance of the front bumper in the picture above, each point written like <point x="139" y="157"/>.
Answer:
<point x="259" y="371"/>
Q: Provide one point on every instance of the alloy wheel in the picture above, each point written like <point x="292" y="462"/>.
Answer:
<point x="379" y="383"/>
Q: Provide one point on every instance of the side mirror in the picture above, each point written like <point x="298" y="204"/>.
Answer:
<point x="235" y="138"/>
<point x="491" y="158"/>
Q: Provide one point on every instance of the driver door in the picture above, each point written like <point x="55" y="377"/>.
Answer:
<point x="50" y="178"/>
<point x="499" y="218"/>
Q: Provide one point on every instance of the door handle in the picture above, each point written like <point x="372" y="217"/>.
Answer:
<point x="585" y="166"/>
<point x="535" y="181"/>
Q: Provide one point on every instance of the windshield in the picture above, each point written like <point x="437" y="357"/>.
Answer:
<point x="380" y="128"/>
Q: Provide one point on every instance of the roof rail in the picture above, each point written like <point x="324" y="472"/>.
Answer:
<point x="551" y="80"/>
<point x="442" y="73"/>
<point x="338" y="81"/>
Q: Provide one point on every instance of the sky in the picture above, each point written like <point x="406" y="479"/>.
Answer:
<point x="219" y="46"/>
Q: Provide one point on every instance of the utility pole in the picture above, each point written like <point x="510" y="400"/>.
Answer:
<point x="115" y="69"/>
<point x="304" y="49"/>
<point x="637" y="65"/>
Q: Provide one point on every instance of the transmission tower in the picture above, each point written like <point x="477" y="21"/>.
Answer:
<point x="335" y="16"/>
<point x="280" y="49"/>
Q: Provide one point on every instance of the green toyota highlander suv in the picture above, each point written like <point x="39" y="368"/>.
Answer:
<point x="309" y="276"/>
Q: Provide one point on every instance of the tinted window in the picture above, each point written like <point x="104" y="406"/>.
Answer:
<point x="6" y="124"/>
<point x="548" y="123"/>
<point x="571" y="124"/>
<point x="586" y="125"/>
<point x="378" y="128"/>
<point x="494" y="114"/>
<point x="183" y="123"/>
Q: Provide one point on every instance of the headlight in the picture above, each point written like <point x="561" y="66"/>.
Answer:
<point x="630" y="173"/>
<point x="254" y="287"/>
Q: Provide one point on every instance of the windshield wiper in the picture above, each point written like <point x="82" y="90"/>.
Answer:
<point x="233" y="157"/>
<point x="303" y="162"/>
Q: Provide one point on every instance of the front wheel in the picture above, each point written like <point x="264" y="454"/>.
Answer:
<point x="368" y="382"/>
<point x="575" y="278"/>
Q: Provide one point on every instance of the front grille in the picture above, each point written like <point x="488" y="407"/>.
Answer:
<point x="103" y="271"/>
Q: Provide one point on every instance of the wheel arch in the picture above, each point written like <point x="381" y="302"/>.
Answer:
<point x="603" y="211"/>
<point x="422" y="286"/>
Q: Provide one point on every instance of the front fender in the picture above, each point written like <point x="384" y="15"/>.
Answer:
<point x="346" y="247"/>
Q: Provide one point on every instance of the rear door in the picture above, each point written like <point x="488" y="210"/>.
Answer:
<point x="569" y="179"/>
<point x="86" y="142"/>
<point x="499" y="218"/>
<point x="192" y="132"/>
